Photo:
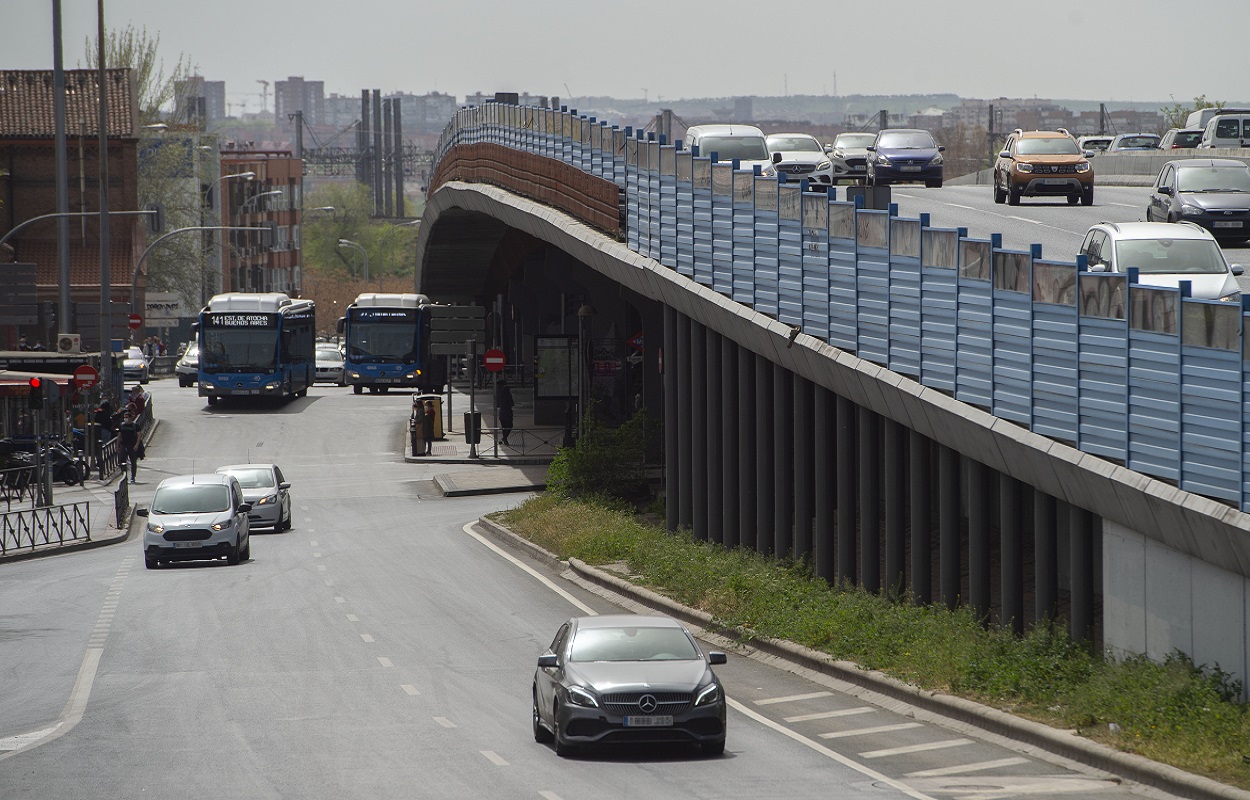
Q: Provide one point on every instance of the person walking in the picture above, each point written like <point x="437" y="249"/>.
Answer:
<point x="129" y="445"/>
<point x="427" y="427"/>
<point x="504" y="402"/>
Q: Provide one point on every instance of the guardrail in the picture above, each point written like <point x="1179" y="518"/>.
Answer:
<point x="29" y="529"/>
<point x="1144" y="376"/>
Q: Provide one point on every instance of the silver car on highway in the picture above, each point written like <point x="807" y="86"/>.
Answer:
<point x="266" y="491"/>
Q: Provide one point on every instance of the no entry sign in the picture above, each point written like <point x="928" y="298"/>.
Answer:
<point x="86" y="376"/>
<point x="494" y="360"/>
<point x="136" y="322"/>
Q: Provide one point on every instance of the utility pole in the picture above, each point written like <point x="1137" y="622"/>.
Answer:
<point x="106" y="271"/>
<point x="64" y="301"/>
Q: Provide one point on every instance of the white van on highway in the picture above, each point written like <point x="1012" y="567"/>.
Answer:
<point x="1200" y="118"/>
<point x="743" y="142"/>
<point x="1227" y="130"/>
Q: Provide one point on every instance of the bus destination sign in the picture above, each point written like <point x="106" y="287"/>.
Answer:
<point x="384" y="314"/>
<point x="225" y="319"/>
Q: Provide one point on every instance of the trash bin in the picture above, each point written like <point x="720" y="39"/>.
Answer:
<point x="473" y="427"/>
<point x="418" y="400"/>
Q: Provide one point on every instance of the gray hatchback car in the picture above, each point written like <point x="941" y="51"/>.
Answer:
<point x="1211" y="192"/>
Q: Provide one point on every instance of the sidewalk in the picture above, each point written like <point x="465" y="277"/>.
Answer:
<point x="103" y="530"/>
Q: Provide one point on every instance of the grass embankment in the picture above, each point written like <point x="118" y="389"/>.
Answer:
<point x="1174" y="713"/>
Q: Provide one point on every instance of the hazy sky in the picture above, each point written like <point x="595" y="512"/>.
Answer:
<point x="1146" y="50"/>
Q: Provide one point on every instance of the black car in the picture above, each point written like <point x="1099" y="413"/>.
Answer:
<point x="627" y="679"/>
<point x="1211" y="192"/>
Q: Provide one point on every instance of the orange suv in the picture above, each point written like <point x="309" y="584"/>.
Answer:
<point x="1041" y="164"/>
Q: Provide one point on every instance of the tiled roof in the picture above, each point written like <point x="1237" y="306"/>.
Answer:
<point x="84" y="262"/>
<point x="26" y="101"/>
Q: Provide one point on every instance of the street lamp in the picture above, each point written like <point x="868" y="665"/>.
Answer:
<point x="211" y="200"/>
<point x="386" y="239"/>
<point x="333" y="211"/>
<point x="247" y="176"/>
<point x="254" y="198"/>
<point x="363" y="252"/>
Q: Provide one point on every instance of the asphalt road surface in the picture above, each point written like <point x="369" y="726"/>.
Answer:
<point x="384" y="648"/>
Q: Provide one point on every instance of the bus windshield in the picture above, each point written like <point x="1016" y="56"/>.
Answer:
<point x="239" y="350"/>
<point x="382" y="342"/>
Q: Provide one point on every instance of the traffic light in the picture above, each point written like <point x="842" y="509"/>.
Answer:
<point x="73" y="390"/>
<point x="35" y="397"/>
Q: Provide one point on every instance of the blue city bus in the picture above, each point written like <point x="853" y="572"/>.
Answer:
<point x="256" y="345"/>
<point x="387" y="344"/>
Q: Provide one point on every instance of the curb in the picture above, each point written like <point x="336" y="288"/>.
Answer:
<point x="1058" y="742"/>
<point x="122" y="535"/>
<point x="446" y="484"/>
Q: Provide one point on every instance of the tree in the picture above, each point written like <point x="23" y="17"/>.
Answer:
<point x="170" y="177"/>
<point x="1175" y="115"/>
<point x="390" y="248"/>
<point x="137" y="50"/>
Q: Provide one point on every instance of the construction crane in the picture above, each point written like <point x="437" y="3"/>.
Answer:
<point x="264" y="96"/>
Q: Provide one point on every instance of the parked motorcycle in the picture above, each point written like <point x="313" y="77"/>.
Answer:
<point x="68" y="467"/>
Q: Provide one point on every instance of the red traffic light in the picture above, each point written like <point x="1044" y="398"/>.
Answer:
<point x="36" y="383"/>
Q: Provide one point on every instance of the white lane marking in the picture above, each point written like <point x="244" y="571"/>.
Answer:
<point x="23" y="739"/>
<point x="902" y="726"/>
<point x="446" y="723"/>
<point x="321" y="567"/>
<point x="846" y="712"/>
<point x="366" y="637"/>
<point x="825" y="751"/>
<point x="541" y="579"/>
<point x="916" y="748"/>
<point x="353" y="618"/>
<point x="1025" y="219"/>
<point x="409" y="689"/>
<point x="340" y="599"/>
<point x="329" y="581"/>
<point x="386" y="662"/>
<point x="966" y="768"/>
<point x="957" y="205"/>
<point x="494" y="758"/>
<point x="316" y="555"/>
<point x="1122" y="205"/>
<point x="549" y="796"/>
<point x="313" y="544"/>
<point x="792" y="698"/>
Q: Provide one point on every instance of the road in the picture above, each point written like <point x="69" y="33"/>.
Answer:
<point x="384" y="648"/>
<point x="1057" y="226"/>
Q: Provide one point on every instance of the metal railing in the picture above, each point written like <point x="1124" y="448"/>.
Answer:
<point x="523" y="442"/>
<point x="29" y="529"/>
<point x="1144" y="376"/>
<point x="17" y="483"/>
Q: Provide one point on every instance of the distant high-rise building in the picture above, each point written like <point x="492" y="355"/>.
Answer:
<point x="296" y="94"/>
<point x="199" y="102"/>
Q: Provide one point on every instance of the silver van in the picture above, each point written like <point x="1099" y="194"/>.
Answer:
<point x="743" y="142"/>
<point x="1227" y="130"/>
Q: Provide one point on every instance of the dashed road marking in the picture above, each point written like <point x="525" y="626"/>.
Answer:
<point x="340" y="599"/>
<point x="916" y="748"/>
<point x="966" y="768"/>
<point x="494" y="758"/>
<point x="409" y="689"/>
<point x="846" y="712"/>
<point x="386" y="662"/>
<point x="353" y="618"/>
<point x="901" y="726"/>
<point x="446" y="723"/>
<point x="793" y="698"/>
<point x="366" y="637"/>
<point x="549" y="796"/>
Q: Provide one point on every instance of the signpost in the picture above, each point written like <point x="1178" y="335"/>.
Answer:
<point x="86" y="376"/>
<point x="494" y="360"/>
<point x="136" y="322"/>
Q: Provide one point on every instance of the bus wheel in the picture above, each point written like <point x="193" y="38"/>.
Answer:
<point x="357" y="389"/>
<point x="212" y="400"/>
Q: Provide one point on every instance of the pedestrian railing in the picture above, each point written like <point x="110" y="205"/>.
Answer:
<point x="17" y="483"/>
<point x="32" y="528"/>
<point x="523" y="442"/>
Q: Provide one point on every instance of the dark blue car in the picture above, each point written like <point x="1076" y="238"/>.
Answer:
<point x="902" y="155"/>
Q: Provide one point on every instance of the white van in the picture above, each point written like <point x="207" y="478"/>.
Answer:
<point x="743" y="142"/>
<point x="1227" y="130"/>
<point x="1200" y="118"/>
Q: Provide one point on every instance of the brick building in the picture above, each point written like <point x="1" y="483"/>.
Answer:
<point x="27" y="155"/>
<point x="254" y="262"/>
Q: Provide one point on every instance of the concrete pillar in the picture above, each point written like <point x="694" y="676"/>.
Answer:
<point x="783" y="461"/>
<point x="746" y="448"/>
<point x="1011" y="552"/>
<point x="729" y="440"/>
<point x="1081" y="538"/>
<point x="672" y="487"/>
<point x="804" y="477"/>
<point x="765" y="431"/>
<point x="847" y="434"/>
<point x="685" y="497"/>
<point x="1045" y="556"/>
<point x="920" y="475"/>
<point x="697" y="426"/>
<point x="824" y="556"/>
<point x="894" y="475"/>
<point x="715" y="435"/>
<point x="869" y="500"/>
<point x="949" y="518"/>
<point x="979" y="487"/>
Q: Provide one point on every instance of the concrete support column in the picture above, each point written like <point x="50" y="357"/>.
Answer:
<point x="1081" y="544"/>
<point x="869" y="500"/>
<point x="1045" y="556"/>
<point x="824" y="422"/>
<point x="949" y="517"/>
<point x="672" y="487"/>
<point x="715" y="436"/>
<point x="804" y="467"/>
<point x="729" y="440"/>
<point x="765" y="432"/>
<point x="697" y="427"/>
<point x="783" y="461"/>
<point x="685" y="497"/>
<point x="894" y="439"/>
<point x="920" y="475"/>
<point x="847" y="433"/>
<point x="979" y="487"/>
<point x="1011" y="551"/>
<point x="746" y="448"/>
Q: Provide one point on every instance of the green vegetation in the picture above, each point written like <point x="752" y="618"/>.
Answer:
<point x="1176" y="713"/>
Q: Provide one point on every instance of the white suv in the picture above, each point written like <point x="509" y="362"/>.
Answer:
<point x="196" y="517"/>
<point x="743" y="142"/>
<point x="799" y="156"/>
<point x="1164" y="254"/>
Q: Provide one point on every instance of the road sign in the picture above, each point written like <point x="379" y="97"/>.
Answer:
<point x="86" y="376"/>
<point x="635" y="341"/>
<point x="136" y="322"/>
<point x="494" y="360"/>
<point x="451" y="328"/>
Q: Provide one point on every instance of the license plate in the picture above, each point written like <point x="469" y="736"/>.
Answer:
<point x="187" y="545"/>
<point x="1054" y="181"/>
<point x="909" y="169"/>
<point x="648" y="722"/>
<point x="386" y="380"/>
<point x="858" y="169"/>
<point x="1227" y="224"/>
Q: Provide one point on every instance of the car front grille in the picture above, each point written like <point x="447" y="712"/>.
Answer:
<point x="1054" y="169"/>
<point x="189" y="535"/>
<point x="797" y="169"/>
<point x="666" y="702"/>
<point x="857" y="162"/>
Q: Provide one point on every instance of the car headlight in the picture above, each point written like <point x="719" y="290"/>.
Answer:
<point x="839" y="152"/>
<point x="1192" y="211"/>
<point x="768" y="171"/>
<point x="1083" y="167"/>
<point x="883" y="161"/>
<point x="221" y="526"/>
<point x="1023" y="167"/>
<point x="156" y="527"/>
<point x="354" y="374"/>
<point x="710" y="694"/>
<point x="272" y="386"/>
<point x="937" y="160"/>
<point x="264" y="501"/>
<point x="824" y="165"/>
<point x="1232" y="297"/>
<point x="580" y="697"/>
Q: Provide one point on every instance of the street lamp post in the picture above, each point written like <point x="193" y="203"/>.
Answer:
<point x="386" y="239"/>
<point x="213" y="205"/>
<point x="243" y="209"/>
<point x="363" y="252"/>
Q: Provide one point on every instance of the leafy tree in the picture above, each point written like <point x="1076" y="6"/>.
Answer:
<point x="170" y="177"/>
<point x="390" y="247"/>
<point x="1176" y="114"/>
<point x="138" y="50"/>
